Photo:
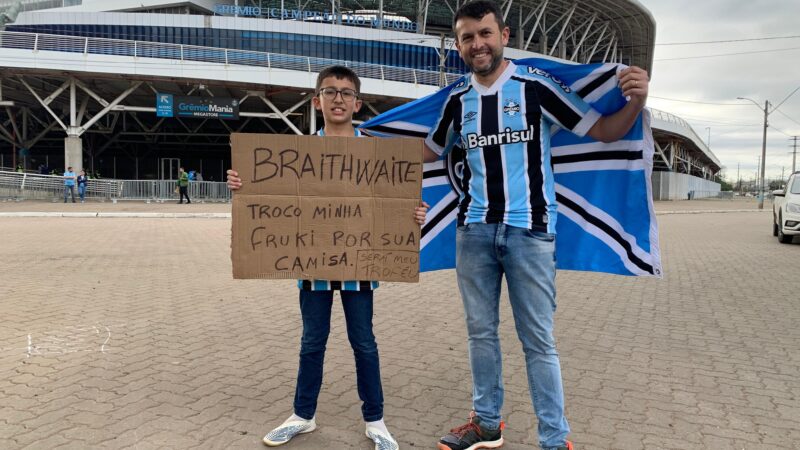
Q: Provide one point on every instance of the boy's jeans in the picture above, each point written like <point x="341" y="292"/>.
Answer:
<point x="484" y="252"/>
<point x="315" y="307"/>
<point x="82" y="191"/>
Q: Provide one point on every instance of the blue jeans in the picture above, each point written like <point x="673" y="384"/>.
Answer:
<point x="69" y="190"/>
<point x="315" y="307"/>
<point x="484" y="252"/>
<point x="82" y="191"/>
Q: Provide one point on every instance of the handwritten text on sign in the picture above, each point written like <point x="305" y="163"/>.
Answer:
<point x="326" y="208"/>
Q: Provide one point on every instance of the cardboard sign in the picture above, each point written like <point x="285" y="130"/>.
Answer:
<point x="333" y="208"/>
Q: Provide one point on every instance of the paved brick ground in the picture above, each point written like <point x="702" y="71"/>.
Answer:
<point x="10" y="205"/>
<point x="130" y="333"/>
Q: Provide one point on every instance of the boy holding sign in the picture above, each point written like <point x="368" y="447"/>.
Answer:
<point x="337" y="97"/>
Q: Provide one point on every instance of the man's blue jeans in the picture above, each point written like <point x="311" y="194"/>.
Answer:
<point x="315" y="307"/>
<point x="484" y="253"/>
<point x="69" y="189"/>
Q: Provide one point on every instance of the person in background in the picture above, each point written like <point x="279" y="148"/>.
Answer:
<point x="82" y="186"/>
<point x="183" y="185"/>
<point x="69" y="184"/>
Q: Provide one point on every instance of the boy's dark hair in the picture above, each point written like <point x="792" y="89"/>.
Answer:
<point x="339" y="72"/>
<point x="476" y="10"/>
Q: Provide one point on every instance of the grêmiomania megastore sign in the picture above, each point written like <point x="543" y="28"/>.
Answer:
<point x="168" y="105"/>
<point x="371" y="20"/>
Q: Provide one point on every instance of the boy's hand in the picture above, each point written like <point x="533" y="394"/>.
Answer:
<point x="234" y="182"/>
<point x="420" y="213"/>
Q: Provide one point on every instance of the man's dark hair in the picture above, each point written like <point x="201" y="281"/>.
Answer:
<point x="69" y="168"/>
<point x="476" y="10"/>
<point x="340" y="73"/>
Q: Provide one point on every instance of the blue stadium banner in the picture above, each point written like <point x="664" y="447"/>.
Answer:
<point x="168" y="105"/>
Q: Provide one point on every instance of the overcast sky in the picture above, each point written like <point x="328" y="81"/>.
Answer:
<point x="736" y="131"/>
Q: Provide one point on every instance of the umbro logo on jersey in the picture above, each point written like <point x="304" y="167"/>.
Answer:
<point x="509" y="136"/>
<point x="544" y="74"/>
<point x="470" y="116"/>
<point x="511" y="108"/>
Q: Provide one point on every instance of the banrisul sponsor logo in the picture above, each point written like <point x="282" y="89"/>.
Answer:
<point x="543" y="74"/>
<point x="508" y="136"/>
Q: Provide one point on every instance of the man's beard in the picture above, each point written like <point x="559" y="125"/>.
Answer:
<point x="496" y="60"/>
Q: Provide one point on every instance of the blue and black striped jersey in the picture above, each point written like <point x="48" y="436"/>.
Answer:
<point x="505" y="132"/>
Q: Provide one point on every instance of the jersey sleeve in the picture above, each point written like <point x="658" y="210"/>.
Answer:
<point x="443" y="132"/>
<point x="564" y="107"/>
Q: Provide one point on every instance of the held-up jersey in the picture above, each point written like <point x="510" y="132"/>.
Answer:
<point x="326" y="285"/>
<point x="505" y="131"/>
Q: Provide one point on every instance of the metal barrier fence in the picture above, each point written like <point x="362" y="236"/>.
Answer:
<point x="164" y="190"/>
<point x="710" y="195"/>
<point x="19" y="186"/>
<point x="160" y="50"/>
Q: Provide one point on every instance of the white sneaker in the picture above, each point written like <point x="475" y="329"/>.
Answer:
<point x="289" y="429"/>
<point x="383" y="440"/>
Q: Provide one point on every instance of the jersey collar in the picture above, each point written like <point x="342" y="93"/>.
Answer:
<point x="321" y="132"/>
<point x="498" y="83"/>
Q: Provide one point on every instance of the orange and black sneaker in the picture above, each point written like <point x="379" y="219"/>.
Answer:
<point x="567" y="446"/>
<point x="472" y="436"/>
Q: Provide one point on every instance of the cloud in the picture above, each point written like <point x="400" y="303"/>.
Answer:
<point x="736" y="131"/>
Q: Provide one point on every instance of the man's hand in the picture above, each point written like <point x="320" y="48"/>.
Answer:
<point x="635" y="83"/>
<point x="234" y="182"/>
<point x="420" y="212"/>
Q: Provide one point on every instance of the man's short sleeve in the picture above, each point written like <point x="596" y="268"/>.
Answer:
<point x="564" y="107"/>
<point x="443" y="132"/>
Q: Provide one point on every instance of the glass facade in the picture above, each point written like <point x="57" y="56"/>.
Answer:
<point x="395" y="54"/>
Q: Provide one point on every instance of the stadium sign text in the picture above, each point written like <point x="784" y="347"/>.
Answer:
<point x="168" y="105"/>
<point x="319" y="16"/>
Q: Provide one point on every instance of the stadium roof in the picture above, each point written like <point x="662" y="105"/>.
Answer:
<point x="577" y="30"/>
<point x="582" y="31"/>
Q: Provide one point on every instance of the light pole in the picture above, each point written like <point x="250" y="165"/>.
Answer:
<point x="763" y="148"/>
<point x="758" y="168"/>
<point x="708" y="141"/>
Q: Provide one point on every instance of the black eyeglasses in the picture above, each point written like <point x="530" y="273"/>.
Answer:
<point x="330" y="93"/>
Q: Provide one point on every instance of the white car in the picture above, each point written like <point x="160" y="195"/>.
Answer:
<point x="786" y="210"/>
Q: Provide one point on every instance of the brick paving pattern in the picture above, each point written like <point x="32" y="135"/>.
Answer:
<point x="130" y="333"/>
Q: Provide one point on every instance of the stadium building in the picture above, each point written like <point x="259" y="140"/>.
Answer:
<point x="131" y="89"/>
